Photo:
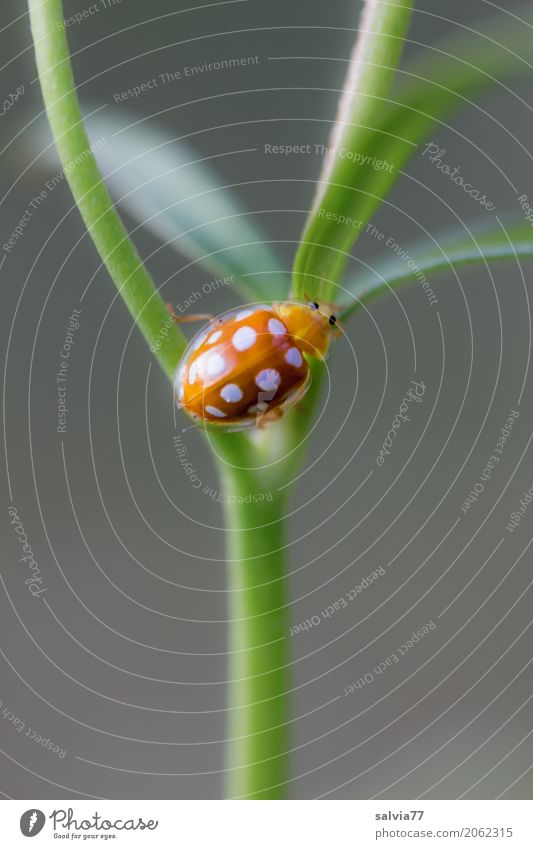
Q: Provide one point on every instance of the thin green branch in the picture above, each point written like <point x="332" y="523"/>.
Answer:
<point x="330" y="232"/>
<point x="451" y="251"/>
<point x="443" y="78"/>
<point x="90" y="193"/>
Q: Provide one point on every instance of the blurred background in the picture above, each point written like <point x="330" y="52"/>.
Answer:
<point x="113" y="667"/>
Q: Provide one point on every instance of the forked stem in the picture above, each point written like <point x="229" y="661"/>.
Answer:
<point x="88" y="189"/>
<point x="255" y="514"/>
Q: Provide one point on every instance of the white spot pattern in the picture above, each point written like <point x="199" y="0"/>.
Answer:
<point x="197" y="343"/>
<point x="231" y="393"/>
<point x="276" y="327"/>
<point x="268" y="379"/>
<point x="243" y="314"/>
<point x="192" y="374"/>
<point x="214" y="338"/>
<point x="244" y="338"/>
<point x="214" y="411"/>
<point x="215" y="365"/>
<point x="294" y="357"/>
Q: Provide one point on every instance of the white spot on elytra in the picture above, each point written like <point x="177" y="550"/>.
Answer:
<point x="214" y="338"/>
<point x="231" y="393"/>
<point x="197" y="343"/>
<point x="276" y="327"/>
<point x="268" y="379"/>
<point x="215" y="365"/>
<point x="243" y="314"/>
<point x="294" y="357"/>
<point x="192" y="373"/>
<point x="244" y="338"/>
<point x="214" y="411"/>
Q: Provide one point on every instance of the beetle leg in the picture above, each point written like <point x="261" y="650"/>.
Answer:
<point x="185" y="319"/>
<point x="272" y="415"/>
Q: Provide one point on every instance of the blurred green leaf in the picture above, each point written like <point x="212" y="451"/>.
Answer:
<point x="450" y="251"/>
<point x="455" y="74"/>
<point x="458" y="70"/>
<point x="322" y="253"/>
<point x="165" y="185"/>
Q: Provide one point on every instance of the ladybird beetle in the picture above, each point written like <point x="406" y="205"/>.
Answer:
<point x="247" y="367"/>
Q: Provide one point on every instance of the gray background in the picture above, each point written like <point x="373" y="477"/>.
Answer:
<point x="124" y="665"/>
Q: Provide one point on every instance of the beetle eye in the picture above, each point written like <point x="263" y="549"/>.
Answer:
<point x="333" y="320"/>
<point x="314" y="305"/>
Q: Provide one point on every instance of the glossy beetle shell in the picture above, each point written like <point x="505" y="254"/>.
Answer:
<point x="243" y="369"/>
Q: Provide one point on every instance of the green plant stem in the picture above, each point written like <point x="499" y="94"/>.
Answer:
<point x="90" y="193"/>
<point x="256" y="560"/>
<point x="457" y="72"/>
<point x="259" y="706"/>
<point x="450" y="251"/>
<point x="256" y="552"/>
<point x="256" y="546"/>
<point x="328" y="234"/>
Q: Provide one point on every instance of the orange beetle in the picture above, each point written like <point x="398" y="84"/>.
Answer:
<point x="247" y="367"/>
